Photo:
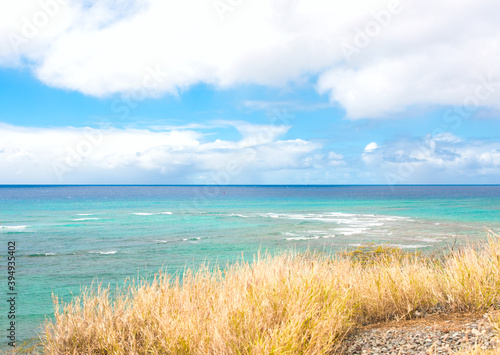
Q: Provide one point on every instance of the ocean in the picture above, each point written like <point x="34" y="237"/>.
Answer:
<point x="67" y="237"/>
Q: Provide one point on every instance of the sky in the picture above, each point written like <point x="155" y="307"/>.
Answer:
<point x="250" y="92"/>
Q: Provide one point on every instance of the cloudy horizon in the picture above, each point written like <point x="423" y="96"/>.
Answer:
<point x="240" y="92"/>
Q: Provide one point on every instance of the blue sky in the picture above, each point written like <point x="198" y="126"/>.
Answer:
<point x="153" y="92"/>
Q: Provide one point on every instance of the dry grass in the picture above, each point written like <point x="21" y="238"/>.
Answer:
<point x="479" y="351"/>
<point x="285" y="304"/>
<point x="495" y="322"/>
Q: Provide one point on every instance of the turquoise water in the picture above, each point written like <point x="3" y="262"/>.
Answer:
<point x="66" y="237"/>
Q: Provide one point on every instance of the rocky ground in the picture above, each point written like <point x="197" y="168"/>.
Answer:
<point x="440" y="334"/>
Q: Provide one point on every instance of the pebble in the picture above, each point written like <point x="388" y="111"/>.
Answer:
<point x="420" y="339"/>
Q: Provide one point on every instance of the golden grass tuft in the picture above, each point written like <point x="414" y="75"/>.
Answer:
<point x="285" y="304"/>
<point x="478" y="351"/>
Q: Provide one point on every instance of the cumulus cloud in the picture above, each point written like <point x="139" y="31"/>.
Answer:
<point x="373" y="57"/>
<point x="80" y="155"/>
<point x="442" y="158"/>
<point x="335" y="159"/>
<point x="371" y="147"/>
<point x="111" y="155"/>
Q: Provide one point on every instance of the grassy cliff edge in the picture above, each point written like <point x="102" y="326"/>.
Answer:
<point x="286" y="304"/>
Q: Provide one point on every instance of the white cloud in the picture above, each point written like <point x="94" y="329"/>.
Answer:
<point x="335" y="159"/>
<point x="371" y="146"/>
<point x="111" y="155"/>
<point x="426" y="53"/>
<point x="443" y="158"/>
<point x="446" y="137"/>
<point x="335" y="156"/>
<point x="82" y="155"/>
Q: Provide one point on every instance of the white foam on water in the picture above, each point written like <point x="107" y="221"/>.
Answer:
<point x="344" y="224"/>
<point x="342" y="214"/>
<point x="42" y="254"/>
<point x="149" y="213"/>
<point x="238" y="215"/>
<point x="339" y="218"/>
<point x="303" y="238"/>
<point x="86" y="214"/>
<point x="103" y="252"/>
<point x="177" y="240"/>
<point x="13" y="227"/>
<point x="391" y="218"/>
<point x="429" y="240"/>
<point x="351" y="231"/>
<point x="316" y="232"/>
<point x="85" y="219"/>
<point x="374" y="224"/>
